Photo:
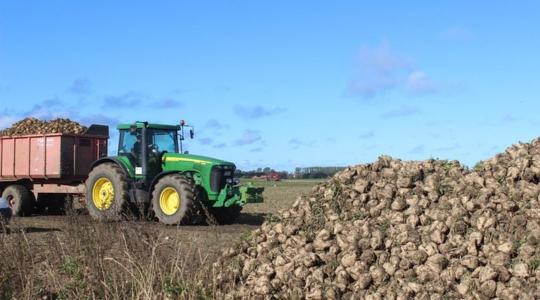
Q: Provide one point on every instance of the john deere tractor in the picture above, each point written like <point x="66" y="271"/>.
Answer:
<point x="150" y="173"/>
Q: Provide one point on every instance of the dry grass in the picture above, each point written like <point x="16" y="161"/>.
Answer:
<point x="81" y="259"/>
<point x="102" y="261"/>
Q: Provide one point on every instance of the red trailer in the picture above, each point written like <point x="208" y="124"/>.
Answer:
<point x="46" y="166"/>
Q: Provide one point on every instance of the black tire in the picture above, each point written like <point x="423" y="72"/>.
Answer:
<point x="21" y="200"/>
<point x="186" y="212"/>
<point x="226" y="215"/>
<point x="117" y="209"/>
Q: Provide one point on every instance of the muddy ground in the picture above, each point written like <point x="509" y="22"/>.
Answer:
<point x="208" y="239"/>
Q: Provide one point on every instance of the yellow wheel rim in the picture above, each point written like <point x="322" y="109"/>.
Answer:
<point x="103" y="193"/>
<point x="169" y="201"/>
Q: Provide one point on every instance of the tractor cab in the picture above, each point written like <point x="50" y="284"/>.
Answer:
<point x="145" y="144"/>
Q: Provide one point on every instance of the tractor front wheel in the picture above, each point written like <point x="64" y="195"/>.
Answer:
<point x="174" y="201"/>
<point x="107" y="192"/>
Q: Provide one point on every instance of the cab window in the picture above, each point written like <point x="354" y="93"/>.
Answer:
<point x="128" y="142"/>
<point x="163" y="140"/>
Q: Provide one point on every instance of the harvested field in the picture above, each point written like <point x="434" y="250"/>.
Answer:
<point x="72" y="257"/>
<point x="392" y="228"/>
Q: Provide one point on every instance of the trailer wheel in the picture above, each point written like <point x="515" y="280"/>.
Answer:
<point x="106" y="192"/>
<point x="20" y="199"/>
<point x="174" y="201"/>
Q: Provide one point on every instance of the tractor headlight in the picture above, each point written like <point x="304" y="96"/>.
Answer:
<point x="229" y="181"/>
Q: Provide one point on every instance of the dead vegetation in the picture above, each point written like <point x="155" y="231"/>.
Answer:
<point x="71" y="257"/>
<point x="102" y="261"/>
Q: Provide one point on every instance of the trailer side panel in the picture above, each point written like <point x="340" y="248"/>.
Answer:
<point x="50" y="156"/>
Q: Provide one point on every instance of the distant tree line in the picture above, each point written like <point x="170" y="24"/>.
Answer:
<point x="299" y="173"/>
<point x="260" y="172"/>
<point x="316" y="172"/>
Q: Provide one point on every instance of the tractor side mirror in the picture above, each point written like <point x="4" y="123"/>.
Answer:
<point x="191" y="133"/>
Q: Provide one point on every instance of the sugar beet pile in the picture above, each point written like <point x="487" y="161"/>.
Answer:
<point x="398" y="230"/>
<point x="35" y="126"/>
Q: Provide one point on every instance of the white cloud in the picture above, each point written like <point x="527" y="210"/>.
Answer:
<point x="166" y="103"/>
<point x="206" y="141"/>
<point x="297" y="143"/>
<point x="380" y="70"/>
<point x="6" y="121"/>
<point x="129" y="99"/>
<point x="367" y="135"/>
<point x="382" y="60"/>
<point x="256" y="112"/>
<point x="249" y="137"/>
<point x="55" y="108"/>
<point x="418" y="82"/>
<point x="81" y="86"/>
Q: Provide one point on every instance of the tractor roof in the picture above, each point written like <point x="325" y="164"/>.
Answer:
<point x="150" y="125"/>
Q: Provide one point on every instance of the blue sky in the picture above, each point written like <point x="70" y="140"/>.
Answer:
<point x="284" y="83"/>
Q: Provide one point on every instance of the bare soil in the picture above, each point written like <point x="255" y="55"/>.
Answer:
<point x="277" y="196"/>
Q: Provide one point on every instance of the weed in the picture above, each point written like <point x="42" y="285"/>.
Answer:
<point x="446" y="165"/>
<point x="479" y="166"/>
<point x="271" y="218"/>
<point x="516" y="245"/>
<point x="173" y="289"/>
<point x="359" y="215"/>
<point x="384" y="227"/>
<point x="534" y="264"/>
<point x="246" y="237"/>
<point x="442" y="189"/>
<point x="72" y="267"/>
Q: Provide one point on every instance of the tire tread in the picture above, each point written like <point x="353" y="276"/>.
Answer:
<point x="187" y="191"/>
<point x="119" y="209"/>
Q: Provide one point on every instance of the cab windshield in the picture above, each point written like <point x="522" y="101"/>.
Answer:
<point x="163" y="140"/>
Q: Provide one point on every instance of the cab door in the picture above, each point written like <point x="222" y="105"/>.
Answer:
<point x="130" y="146"/>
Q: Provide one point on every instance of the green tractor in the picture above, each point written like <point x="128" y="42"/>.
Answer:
<point x="151" y="174"/>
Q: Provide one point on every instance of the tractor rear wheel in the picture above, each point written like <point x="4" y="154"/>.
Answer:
<point x="20" y="199"/>
<point x="226" y="215"/>
<point x="174" y="200"/>
<point x="107" y="192"/>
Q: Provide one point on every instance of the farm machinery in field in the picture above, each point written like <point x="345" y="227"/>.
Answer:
<point x="149" y="175"/>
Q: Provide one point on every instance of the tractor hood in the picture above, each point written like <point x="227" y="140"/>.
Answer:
<point x="194" y="159"/>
